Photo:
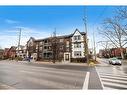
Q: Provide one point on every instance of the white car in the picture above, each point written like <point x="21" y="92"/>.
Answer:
<point x="114" y="61"/>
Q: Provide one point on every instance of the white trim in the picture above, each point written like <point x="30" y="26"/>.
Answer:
<point x="69" y="56"/>
<point x="82" y="48"/>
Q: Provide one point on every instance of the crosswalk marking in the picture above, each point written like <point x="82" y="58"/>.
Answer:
<point x="117" y="81"/>
<point x="124" y="76"/>
<point x="113" y="77"/>
<point x="118" y="73"/>
<point x="110" y="88"/>
<point x="112" y="80"/>
<point x="114" y="84"/>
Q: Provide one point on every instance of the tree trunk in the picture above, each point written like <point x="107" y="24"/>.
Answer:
<point x="121" y="51"/>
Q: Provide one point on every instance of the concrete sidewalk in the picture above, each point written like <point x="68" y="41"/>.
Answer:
<point x="51" y="63"/>
<point x="61" y="63"/>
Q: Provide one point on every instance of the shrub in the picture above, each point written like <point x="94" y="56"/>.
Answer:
<point x="79" y="60"/>
<point x="19" y="58"/>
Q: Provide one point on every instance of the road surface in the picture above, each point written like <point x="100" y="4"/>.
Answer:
<point x="19" y="75"/>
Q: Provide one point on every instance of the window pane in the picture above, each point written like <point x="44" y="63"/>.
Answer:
<point x="77" y="53"/>
<point x="79" y="37"/>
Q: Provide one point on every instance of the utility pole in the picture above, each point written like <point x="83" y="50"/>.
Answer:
<point x="54" y="46"/>
<point x="86" y="44"/>
<point x="19" y="39"/>
<point x="94" y="46"/>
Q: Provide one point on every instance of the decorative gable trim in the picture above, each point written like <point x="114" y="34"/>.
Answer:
<point x="76" y="31"/>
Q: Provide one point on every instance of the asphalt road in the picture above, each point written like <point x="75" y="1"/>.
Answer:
<point x="18" y="75"/>
<point x="112" y="76"/>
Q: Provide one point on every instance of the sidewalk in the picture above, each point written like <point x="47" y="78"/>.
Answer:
<point x="61" y="63"/>
<point x="56" y="63"/>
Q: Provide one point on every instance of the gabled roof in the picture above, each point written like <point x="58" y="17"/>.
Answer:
<point x="64" y="36"/>
<point x="82" y="33"/>
<point x="32" y="39"/>
<point x="42" y="39"/>
<point x="13" y="47"/>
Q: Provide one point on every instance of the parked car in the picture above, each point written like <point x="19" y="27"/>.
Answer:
<point x="115" y="61"/>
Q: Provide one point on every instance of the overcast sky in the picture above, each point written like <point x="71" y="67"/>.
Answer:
<point x="40" y="21"/>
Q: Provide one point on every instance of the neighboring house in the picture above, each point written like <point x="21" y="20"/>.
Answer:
<point x="106" y="53"/>
<point x="68" y="47"/>
<point x="21" y="51"/>
<point x="1" y="53"/>
<point x="101" y="53"/>
<point x="31" y="49"/>
<point x="5" y="53"/>
<point x="113" y="52"/>
<point x="12" y="52"/>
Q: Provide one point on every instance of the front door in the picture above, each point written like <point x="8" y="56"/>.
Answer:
<point x="67" y="57"/>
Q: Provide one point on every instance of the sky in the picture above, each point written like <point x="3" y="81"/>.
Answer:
<point x="41" y="21"/>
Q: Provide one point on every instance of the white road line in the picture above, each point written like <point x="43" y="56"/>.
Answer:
<point x="86" y="82"/>
<point x="115" y="85"/>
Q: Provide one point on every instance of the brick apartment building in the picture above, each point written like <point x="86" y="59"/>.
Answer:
<point x="113" y="52"/>
<point x="68" y="48"/>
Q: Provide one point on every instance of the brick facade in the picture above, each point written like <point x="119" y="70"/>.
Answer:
<point x="43" y="49"/>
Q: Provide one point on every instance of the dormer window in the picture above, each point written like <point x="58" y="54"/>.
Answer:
<point x="78" y="37"/>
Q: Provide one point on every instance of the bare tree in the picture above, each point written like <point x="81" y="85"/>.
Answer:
<point x="107" y="45"/>
<point x="122" y="12"/>
<point x="114" y="30"/>
<point x="55" y="47"/>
